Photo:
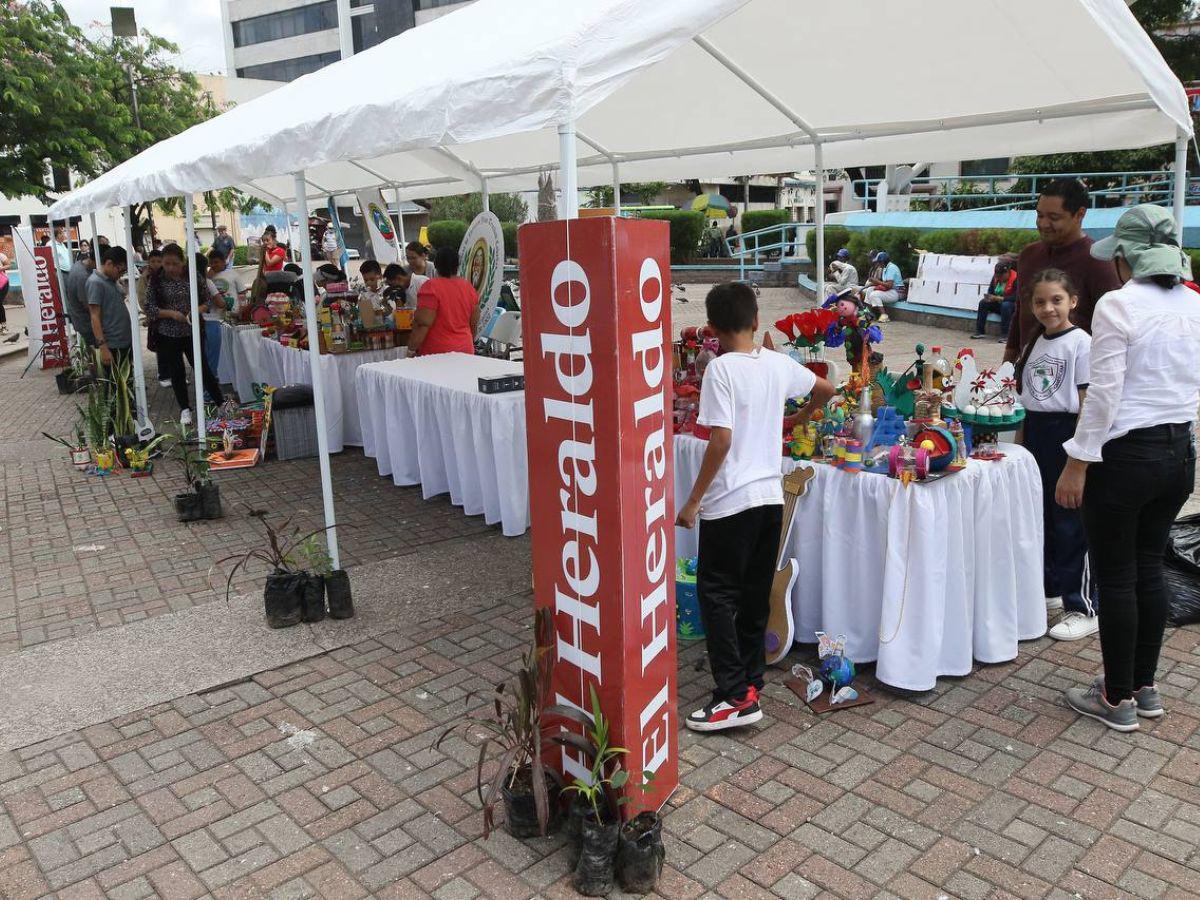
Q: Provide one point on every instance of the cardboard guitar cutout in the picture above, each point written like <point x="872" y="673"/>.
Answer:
<point x="781" y="626"/>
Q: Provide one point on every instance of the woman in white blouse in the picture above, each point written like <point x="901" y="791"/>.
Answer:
<point x="1132" y="461"/>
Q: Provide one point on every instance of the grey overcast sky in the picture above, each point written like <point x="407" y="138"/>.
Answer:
<point x="194" y="25"/>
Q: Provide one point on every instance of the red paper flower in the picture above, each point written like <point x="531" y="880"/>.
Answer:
<point x="788" y="326"/>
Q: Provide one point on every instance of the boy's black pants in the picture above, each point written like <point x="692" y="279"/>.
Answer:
<point x="733" y="580"/>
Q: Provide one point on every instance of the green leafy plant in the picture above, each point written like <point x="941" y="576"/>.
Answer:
<point x="465" y="207"/>
<point x="606" y="779"/>
<point x="764" y="218"/>
<point x="122" y="391"/>
<point x="80" y="441"/>
<point x="447" y="233"/>
<point x="96" y="414"/>
<point x="186" y="449"/>
<point x="280" y="548"/>
<point x="313" y="556"/>
<point x="686" y="226"/>
<point x="515" y="727"/>
<point x="511" y="250"/>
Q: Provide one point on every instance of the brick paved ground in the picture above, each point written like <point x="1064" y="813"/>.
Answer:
<point x="52" y="586"/>
<point x="319" y="779"/>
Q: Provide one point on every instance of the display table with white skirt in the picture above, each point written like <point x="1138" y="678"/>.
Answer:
<point x="922" y="580"/>
<point x="248" y="358"/>
<point x="425" y="422"/>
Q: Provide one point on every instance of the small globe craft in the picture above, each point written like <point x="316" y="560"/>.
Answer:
<point x="836" y="672"/>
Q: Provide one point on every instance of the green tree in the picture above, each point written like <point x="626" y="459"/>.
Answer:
<point x="641" y="192"/>
<point x="58" y="100"/>
<point x="465" y="207"/>
<point x="66" y="100"/>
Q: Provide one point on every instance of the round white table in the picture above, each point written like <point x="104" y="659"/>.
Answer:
<point x="425" y="422"/>
<point x="922" y="580"/>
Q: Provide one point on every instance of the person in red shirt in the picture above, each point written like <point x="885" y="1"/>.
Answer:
<point x="273" y="256"/>
<point x="447" y="311"/>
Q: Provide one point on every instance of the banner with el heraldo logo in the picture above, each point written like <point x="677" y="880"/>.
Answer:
<point x="596" y="319"/>
<point x="43" y="302"/>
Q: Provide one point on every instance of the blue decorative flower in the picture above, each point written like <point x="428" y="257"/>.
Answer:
<point x="835" y="336"/>
<point x="874" y="335"/>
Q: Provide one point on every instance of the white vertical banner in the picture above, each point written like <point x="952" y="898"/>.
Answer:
<point x="379" y="224"/>
<point x="27" y="266"/>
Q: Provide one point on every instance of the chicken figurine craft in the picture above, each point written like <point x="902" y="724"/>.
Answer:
<point x="987" y="399"/>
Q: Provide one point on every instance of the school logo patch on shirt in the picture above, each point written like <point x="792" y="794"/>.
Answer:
<point x="1045" y="376"/>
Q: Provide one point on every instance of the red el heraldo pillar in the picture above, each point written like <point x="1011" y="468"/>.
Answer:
<point x="596" y="315"/>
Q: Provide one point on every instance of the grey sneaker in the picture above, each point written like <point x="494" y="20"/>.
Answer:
<point x="1090" y="702"/>
<point x="1148" y="699"/>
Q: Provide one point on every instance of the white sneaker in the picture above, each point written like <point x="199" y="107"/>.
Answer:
<point x="164" y="382"/>
<point x="185" y="417"/>
<point x="883" y="319"/>
<point x="1054" y="604"/>
<point x="1075" y="626"/>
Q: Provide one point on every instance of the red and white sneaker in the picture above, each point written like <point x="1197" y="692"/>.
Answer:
<point x="722" y="714"/>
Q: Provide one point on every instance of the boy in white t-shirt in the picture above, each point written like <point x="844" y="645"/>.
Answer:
<point x="738" y="498"/>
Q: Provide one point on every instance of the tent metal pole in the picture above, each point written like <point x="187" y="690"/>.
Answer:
<point x="569" y="201"/>
<point x="1180" y="197"/>
<point x="189" y="222"/>
<point x="819" y="216"/>
<point x="399" y="222"/>
<point x="287" y="224"/>
<point x="139" y="370"/>
<point x="616" y="167"/>
<point x="483" y="189"/>
<point x="318" y="385"/>
<point x="95" y="238"/>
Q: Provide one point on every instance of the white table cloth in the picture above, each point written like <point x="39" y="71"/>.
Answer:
<point x="248" y="358"/>
<point x="425" y="422"/>
<point x="279" y="365"/>
<point x="922" y="580"/>
<point x="239" y="358"/>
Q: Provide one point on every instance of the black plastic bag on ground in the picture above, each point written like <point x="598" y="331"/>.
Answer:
<point x="640" y="853"/>
<point x="337" y="592"/>
<point x="313" y="608"/>
<point x="597" y="858"/>
<point x="1182" y="566"/>
<point x="283" y="598"/>
<point x="210" y="500"/>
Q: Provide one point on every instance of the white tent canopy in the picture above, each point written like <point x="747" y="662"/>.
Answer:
<point x="679" y="89"/>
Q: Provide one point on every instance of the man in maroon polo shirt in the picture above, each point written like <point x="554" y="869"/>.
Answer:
<point x="1060" y="210"/>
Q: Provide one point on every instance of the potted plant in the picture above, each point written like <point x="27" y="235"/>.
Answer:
<point x="79" y="368"/>
<point x="284" y="594"/>
<point x="187" y="503"/>
<point x="317" y="566"/>
<point x="76" y="446"/>
<point x="598" y="815"/>
<point x="138" y="458"/>
<point x="640" y="850"/>
<point x="514" y="731"/>
<point x="96" y="418"/>
<point x="123" y="427"/>
<point x="203" y="498"/>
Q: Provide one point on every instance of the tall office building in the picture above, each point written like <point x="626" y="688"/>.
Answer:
<point x="280" y="40"/>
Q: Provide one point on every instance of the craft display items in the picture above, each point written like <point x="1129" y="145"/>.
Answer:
<point x="829" y="686"/>
<point x="348" y="320"/>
